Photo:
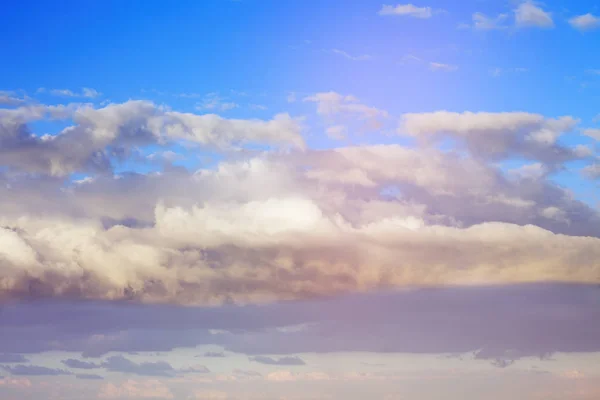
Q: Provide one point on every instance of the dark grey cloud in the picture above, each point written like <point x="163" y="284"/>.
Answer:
<point x="78" y="364"/>
<point x="7" y="358"/>
<point x="89" y="376"/>
<point x="278" y="361"/>
<point x="35" y="370"/>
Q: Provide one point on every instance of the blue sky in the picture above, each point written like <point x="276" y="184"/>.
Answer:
<point x="268" y="199"/>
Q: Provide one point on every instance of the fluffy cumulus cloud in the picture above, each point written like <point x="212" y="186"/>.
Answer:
<point x="529" y="14"/>
<point x="284" y="222"/>
<point x="585" y="22"/>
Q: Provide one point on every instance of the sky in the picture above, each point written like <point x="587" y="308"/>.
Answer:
<point x="281" y="200"/>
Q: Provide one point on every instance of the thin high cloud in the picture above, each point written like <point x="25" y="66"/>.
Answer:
<point x="408" y="10"/>
<point x="85" y="92"/>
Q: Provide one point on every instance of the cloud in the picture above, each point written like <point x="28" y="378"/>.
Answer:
<point x="593" y="133"/>
<point x="124" y="365"/>
<point x="35" y="370"/>
<point x="482" y="22"/>
<point x="497" y="135"/>
<point x="435" y="66"/>
<point x="409" y="10"/>
<point x="209" y="395"/>
<point x="585" y="22"/>
<point x="196" y="369"/>
<point x="159" y="368"/>
<point x="329" y="103"/>
<point x="132" y="389"/>
<point x="101" y="135"/>
<point x="592" y="171"/>
<point x="214" y="354"/>
<point x="8" y="358"/>
<point x="527" y="14"/>
<point x="337" y="132"/>
<point x="85" y="92"/>
<point x="246" y="373"/>
<point x="92" y="377"/>
<point x="338" y="324"/>
<point x="8" y="98"/>
<point x="78" y="364"/>
<point x="342" y="53"/>
<point x="213" y="102"/>
<point x="278" y="361"/>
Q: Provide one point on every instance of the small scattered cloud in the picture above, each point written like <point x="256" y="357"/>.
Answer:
<point x="528" y="14"/>
<point x="85" y="92"/>
<point x="594" y="133"/>
<point x="9" y="98"/>
<point x="592" y="171"/>
<point x="436" y="66"/>
<point x="278" y="361"/>
<point x="258" y="107"/>
<point x="586" y="22"/>
<point x="409" y="59"/>
<point x="482" y="22"/>
<point x="409" y="10"/>
<point x="214" y="102"/>
<point x="498" y="71"/>
<point x="363" y="57"/>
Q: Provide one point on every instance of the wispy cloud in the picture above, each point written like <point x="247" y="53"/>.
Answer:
<point x="85" y="92"/>
<point x="436" y="66"/>
<point x="363" y="57"/>
<point x="214" y="102"/>
<point x="409" y="10"/>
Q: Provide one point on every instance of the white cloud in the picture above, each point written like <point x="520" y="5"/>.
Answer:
<point x="363" y="57"/>
<point x="527" y="14"/>
<point x="213" y="102"/>
<point x="409" y="10"/>
<point x="594" y="133"/>
<point x="337" y="132"/>
<point x="482" y="22"/>
<point x="85" y="92"/>
<point x="496" y="135"/>
<point x="331" y="103"/>
<point x="585" y="22"/>
<point x="436" y="66"/>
